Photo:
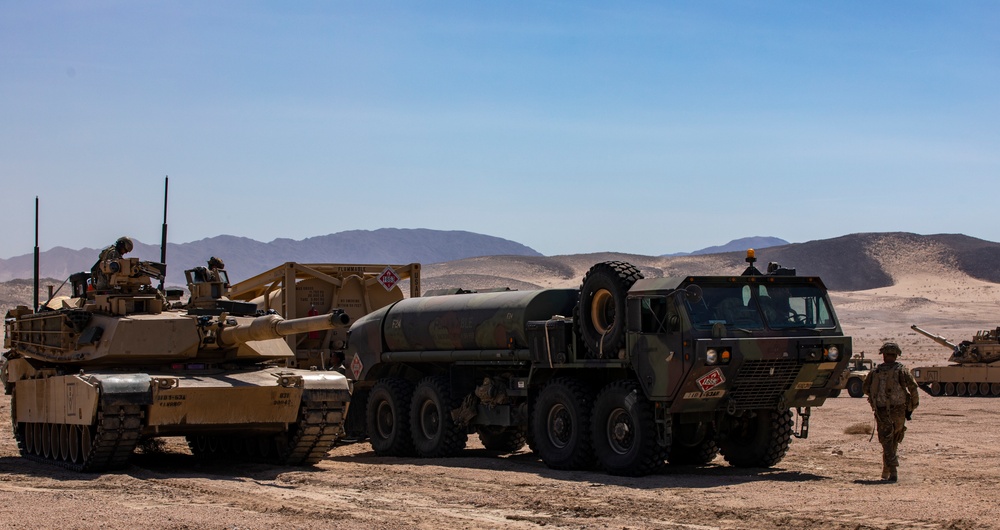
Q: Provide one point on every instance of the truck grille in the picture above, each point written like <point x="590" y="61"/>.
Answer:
<point x="760" y="384"/>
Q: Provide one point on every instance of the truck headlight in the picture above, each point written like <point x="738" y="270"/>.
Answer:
<point x="832" y="353"/>
<point x="711" y="356"/>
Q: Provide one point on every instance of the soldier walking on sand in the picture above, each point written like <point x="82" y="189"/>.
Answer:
<point x="892" y="393"/>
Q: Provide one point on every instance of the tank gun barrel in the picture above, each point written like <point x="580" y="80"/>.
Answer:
<point x="273" y="326"/>
<point x="936" y="338"/>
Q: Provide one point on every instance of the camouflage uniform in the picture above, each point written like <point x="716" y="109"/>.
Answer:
<point x="214" y="264"/>
<point x="121" y="247"/>
<point x="892" y="394"/>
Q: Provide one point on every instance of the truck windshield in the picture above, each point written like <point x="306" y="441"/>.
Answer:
<point x="752" y="307"/>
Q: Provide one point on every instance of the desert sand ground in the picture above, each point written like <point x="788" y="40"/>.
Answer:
<point x="949" y="475"/>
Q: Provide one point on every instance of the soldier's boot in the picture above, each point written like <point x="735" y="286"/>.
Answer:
<point x="893" y="476"/>
<point x="885" y="472"/>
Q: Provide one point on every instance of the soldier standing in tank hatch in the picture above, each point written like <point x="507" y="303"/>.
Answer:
<point x="214" y="266"/>
<point x="121" y="247"/>
<point x="892" y="393"/>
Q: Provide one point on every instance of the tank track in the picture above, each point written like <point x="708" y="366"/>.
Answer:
<point x="314" y="434"/>
<point x="307" y="441"/>
<point x="113" y="441"/>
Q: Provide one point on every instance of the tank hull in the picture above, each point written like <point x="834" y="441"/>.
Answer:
<point x="959" y="380"/>
<point x="285" y="416"/>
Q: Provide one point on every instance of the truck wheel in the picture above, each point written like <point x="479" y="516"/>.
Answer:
<point x="693" y="444"/>
<point x="501" y="439"/>
<point x="599" y="317"/>
<point x="760" y="439"/>
<point x="855" y="388"/>
<point x="434" y="432"/>
<point x="560" y="425"/>
<point x="623" y="429"/>
<point x="835" y="392"/>
<point x="388" y="417"/>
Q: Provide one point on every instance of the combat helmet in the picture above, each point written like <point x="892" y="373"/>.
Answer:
<point x="890" y="348"/>
<point x="124" y="245"/>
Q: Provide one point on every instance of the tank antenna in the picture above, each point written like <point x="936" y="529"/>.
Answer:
<point x="163" y="237"/>
<point x="36" y="254"/>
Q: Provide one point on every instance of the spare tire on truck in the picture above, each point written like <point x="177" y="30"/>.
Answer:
<point x="599" y="317"/>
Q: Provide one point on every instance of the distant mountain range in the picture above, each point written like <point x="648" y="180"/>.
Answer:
<point x="463" y="259"/>
<point x="246" y="257"/>
<point x="736" y="245"/>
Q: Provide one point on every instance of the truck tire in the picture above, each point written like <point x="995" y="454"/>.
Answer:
<point x="835" y="392"/>
<point x="692" y="444"/>
<point x="434" y="432"/>
<point x="388" y="417"/>
<point x="855" y="387"/>
<point x="501" y="439"/>
<point x="623" y="429"/>
<point x="600" y="315"/>
<point x="560" y="425"/>
<point x="760" y="439"/>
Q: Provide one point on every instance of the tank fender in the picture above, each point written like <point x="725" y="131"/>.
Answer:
<point x="334" y="382"/>
<point x="134" y="389"/>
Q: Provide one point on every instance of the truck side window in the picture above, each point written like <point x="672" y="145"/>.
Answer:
<point x="654" y="315"/>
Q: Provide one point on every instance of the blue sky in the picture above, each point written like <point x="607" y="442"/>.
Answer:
<point x="570" y="127"/>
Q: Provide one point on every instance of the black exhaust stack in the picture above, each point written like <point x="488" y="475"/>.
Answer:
<point x="163" y="237"/>
<point x="36" y="254"/>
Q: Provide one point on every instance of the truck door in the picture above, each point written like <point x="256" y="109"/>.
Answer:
<point x="655" y="345"/>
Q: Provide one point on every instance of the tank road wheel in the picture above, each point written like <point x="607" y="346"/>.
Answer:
<point x="46" y="439"/>
<point x="961" y="389"/>
<point x="855" y="387"/>
<point x="984" y="389"/>
<point x="693" y="444"/>
<point x="25" y="435"/>
<point x="55" y="440"/>
<point x="949" y="389"/>
<point x="599" y="317"/>
<point x="434" y="432"/>
<point x="37" y="429"/>
<point x="560" y="425"/>
<point x="64" y="433"/>
<point x="501" y="439"/>
<point x="74" y="444"/>
<point x="759" y="439"/>
<point x="973" y="389"/>
<point x="935" y="389"/>
<point x="623" y="429"/>
<point x="388" y="417"/>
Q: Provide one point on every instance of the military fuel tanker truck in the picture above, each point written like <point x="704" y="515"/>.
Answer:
<point x="111" y="367"/>
<point x="625" y="372"/>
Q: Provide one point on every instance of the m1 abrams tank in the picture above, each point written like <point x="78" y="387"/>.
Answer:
<point x="112" y="367"/>
<point x="975" y="370"/>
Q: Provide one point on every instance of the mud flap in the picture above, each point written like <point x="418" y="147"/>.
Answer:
<point x="801" y="429"/>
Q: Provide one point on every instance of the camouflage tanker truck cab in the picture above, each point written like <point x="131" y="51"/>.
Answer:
<point x="627" y="372"/>
<point x="737" y="342"/>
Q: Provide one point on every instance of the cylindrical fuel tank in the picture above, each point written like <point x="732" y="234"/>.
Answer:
<point x="479" y="321"/>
